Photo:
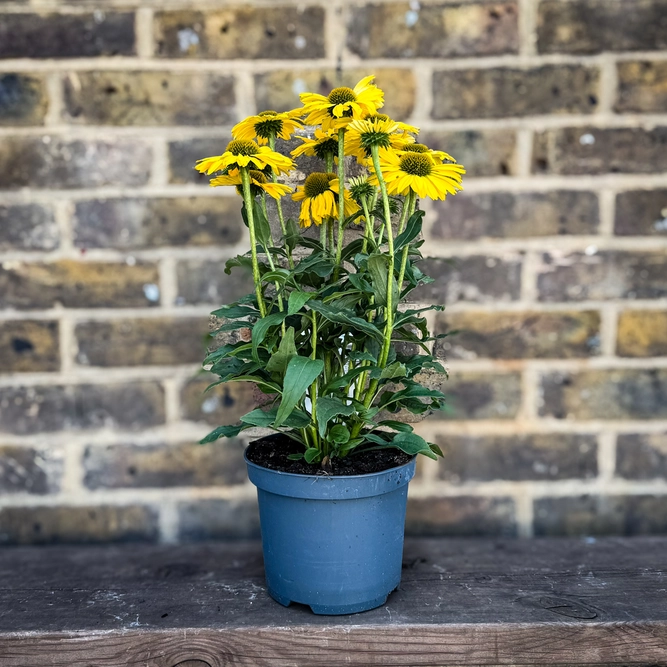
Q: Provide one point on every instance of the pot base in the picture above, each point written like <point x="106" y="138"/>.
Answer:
<point x="333" y="610"/>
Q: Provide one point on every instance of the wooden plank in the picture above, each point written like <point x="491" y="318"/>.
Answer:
<point x="461" y="602"/>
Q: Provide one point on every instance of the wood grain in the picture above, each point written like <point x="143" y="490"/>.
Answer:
<point x="461" y="602"/>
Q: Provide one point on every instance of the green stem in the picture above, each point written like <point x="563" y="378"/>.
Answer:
<point x="313" y="386"/>
<point x="271" y="264"/>
<point x="341" y="199"/>
<point x="410" y="205"/>
<point x="323" y="234"/>
<point x="248" y="200"/>
<point x="279" y="206"/>
<point x="368" y="232"/>
<point x="405" y="213"/>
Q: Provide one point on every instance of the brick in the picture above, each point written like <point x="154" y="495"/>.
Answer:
<point x="160" y="341"/>
<point x="516" y="215"/>
<point x="224" y="404"/>
<point x="78" y="525"/>
<point x="184" y="154"/>
<point x="28" y="227"/>
<point x="519" y="335"/>
<point x="271" y="33"/>
<point x="600" y="515"/>
<point x="605" y="394"/>
<point x="589" y="151"/>
<point x="48" y="408"/>
<point x="482" y="152"/>
<point x="23" y="99"/>
<point x="206" y="282"/>
<point x="641" y="213"/>
<point x="67" y="35"/>
<point x="150" y="98"/>
<point x="29" y="345"/>
<point x="642" y="86"/>
<point x="642" y="333"/>
<point x="604" y="275"/>
<point x="495" y="93"/>
<point x="36" y="470"/>
<point x="398" y="30"/>
<point x="535" y="456"/>
<point x="481" y="396"/>
<point x="476" y="278"/>
<point x="156" y="223"/>
<point x="641" y="455"/>
<point x="591" y="26"/>
<point x="279" y="90"/>
<point x="460" y="516"/>
<point x="160" y="465"/>
<point x="213" y="519"/>
<point x="52" y="162"/>
<point x="78" y="285"/>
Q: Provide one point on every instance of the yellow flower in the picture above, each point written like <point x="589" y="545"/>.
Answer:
<point x="437" y="157"/>
<point x="258" y="183"/>
<point x="244" y="153"/>
<point x="265" y="125"/>
<point x="417" y="172"/>
<point x="319" y="195"/>
<point x="342" y="105"/>
<point x="378" y="130"/>
<point x="323" y="143"/>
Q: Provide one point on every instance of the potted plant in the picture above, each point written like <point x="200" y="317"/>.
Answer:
<point x="327" y="344"/>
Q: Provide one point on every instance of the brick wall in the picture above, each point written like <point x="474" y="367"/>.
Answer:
<point x="111" y="254"/>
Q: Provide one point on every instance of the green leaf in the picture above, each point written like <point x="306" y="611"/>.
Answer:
<point x="286" y="350"/>
<point x="340" y="316"/>
<point x="412" y="230"/>
<point x="276" y="276"/>
<point x="235" y="311"/>
<point x="223" y="432"/>
<point x="265" y="385"/>
<point x="295" y="457"/>
<point x="311" y="454"/>
<point x="358" y="355"/>
<point x="396" y="426"/>
<point x="261" y="328"/>
<point x="435" y="449"/>
<point x="240" y="260"/>
<point x="293" y="234"/>
<point x="299" y="375"/>
<point x="411" y="443"/>
<point x="339" y="434"/>
<point x="327" y="409"/>
<point x="296" y="301"/>
<point x="262" y="226"/>
<point x="259" y="418"/>
<point x="344" y="380"/>
<point x="378" y="265"/>
<point x="395" y="370"/>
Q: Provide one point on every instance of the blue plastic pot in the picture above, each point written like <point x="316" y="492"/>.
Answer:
<point x="332" y="543"/>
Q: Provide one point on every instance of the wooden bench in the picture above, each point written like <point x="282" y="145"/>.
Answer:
<point x="461" y="602"/>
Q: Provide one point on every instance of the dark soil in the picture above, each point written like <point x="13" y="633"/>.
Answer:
<point x="272" y="452"/>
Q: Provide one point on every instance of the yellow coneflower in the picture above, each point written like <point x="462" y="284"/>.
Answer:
<point x="378" y="130"/>
<point x="266" y="125"/>
<point x="244" y="153"/>
<point x="417" y="172"/>
<point x="258" y="183"/>
<point x="319" y="199"/>
<point x="324" y="143"/>
<point x="342" y="105"/>
<point x="437" y="157"/>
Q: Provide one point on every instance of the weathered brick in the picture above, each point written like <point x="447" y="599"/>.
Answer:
<point x="520" y="335"/>
<point x="399" y="30"/>
<point x="516" y="215"/>
<point x="605" y="394"/>
<point x="535" y="456"/>
<point x="53" y="162"/>
<point x="460" y="516"/>
<point x="591" y="26"/>
<point x="78" y="525"/>
<point x="29" y="345"/>
<point x="162" y="465"/>
<point x="23" y="99"/>
<point x="28" y="227"/>
<point x="641" y="455"/>
<point x="590" y="151"/>
<point x="207" y="282"/>
<point x="642" y="86"/>
<point x="604" y="275"/>
<point x="481" y="396"/>
<point x="476" y="278"/>
<point x="150" y="98"/>
<point x="600" y="515"/>
<point x="642" y="333"/>
<point x="270" y="33"/>
<point x="141" y="342"/>
<point x="224" y="404"/>
<point x="280" y="90"/>
<point x="47" y="408"/>
<point x="35" y="470"/>
<point x="78" y="285"/>
<point x="151" y="223"/>
<point x="494" y="93"/>
<point x="184" y="154"/>
<point x="483" y="152"/>
<point x="213" y="519"/>
<point x="67" y="35"/>
<point x="641" y="213"/>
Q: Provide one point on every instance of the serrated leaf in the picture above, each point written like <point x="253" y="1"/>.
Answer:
<point x="395" y="370"/>
<point x="300" y="373"/>
<point x="297" y="300"/>
<point x="327" y="409"/>
<point x="286" y="350"/>
<point x="262" y="327"/>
